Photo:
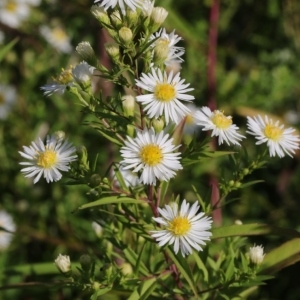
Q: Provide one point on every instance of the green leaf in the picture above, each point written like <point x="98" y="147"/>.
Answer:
<point x="250" y="183"/>
<point x="132" y="257"/>
<point x="7" y="48"/>
<point x="144" y="290"/>
<point x="201" y="266"/>
<point x="184" y="269"/>
<point x="281" y="257"/>
<point x="108" y="136"/>
<point x="111" y="200"/>
<point x="252" y="229"/>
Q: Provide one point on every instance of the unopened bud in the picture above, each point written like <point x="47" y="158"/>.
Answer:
<point x="245" y="171"/>
<point x="158" y="16"/>
<point x="113" y="51"/>
<point x="126" y="269"/>
<point x="132" y="17"/>
<point x="85" y="262"/>
<point x="116" y="19"/>
<point x="256" y="254"/>
<point x="59" y="135"/>
<point x="237" y="184"/>
<point x="161" y="51"/>
<point x="82" y="74"/>
<point x="100" y="14"/>
<point x="125" y="35"/>
<point x="128" y="103"/>
<point x="158" y="125"/>
<point x="63" y="264"/>
<point x="95" y="180"/>
<point x="85" y="50"/>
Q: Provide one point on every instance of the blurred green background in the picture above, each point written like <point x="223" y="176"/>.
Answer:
<point x="258" y="70"/>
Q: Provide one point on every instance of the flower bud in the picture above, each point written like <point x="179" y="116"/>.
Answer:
<point x="113" y="51"/>
<point x="97" y="228"/>
<point x="161" y="51"/>
<point x="157" y="17"/>
<point x="116" y="19"/>
<point x="100" y="14"/>
<point x="132" y="17"/>
<point x="128" y="103"/>
<point x="95" y="180"/>
<point x="256" y="254"/>
<point x="85" y="50"/>
<point x="82" y="158"/>
<point x="147" y="8"/>
<point x="82" y="74"/>
<point x="126" y="269"/>
<point x="125" y="35"/>
<point x="158" y="125"/>
<point x="59" y="135"/>
<point x="85" y="262"/>
<point x="245" y="171"/>
<point x="63" y="264"/>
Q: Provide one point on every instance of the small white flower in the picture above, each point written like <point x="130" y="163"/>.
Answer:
<point x="13" y="12"/>
<point x="47" y="159"/>
<point x="184" y="228"/>
<point x="256" y="254"/>
<point x="7" y="223"/>
<point x="169" y="40"/>
<point x="82" y="72"/>
<point x="8" y="96"/>
<point x="152" y="154"/>
<point x="132" y="4"/>
<point x="63" y="263"/>
<point x="57" y="38"/>
<point x="59" y="84"/>
<point x="166" y="90"/>
<point x="220" y="125"/>
<point x="279" y="140"/>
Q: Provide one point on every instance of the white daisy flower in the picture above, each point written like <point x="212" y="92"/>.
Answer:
<point x="48" y="159"/>
<point x="184" y="228"/>
<point x="57" y="38"/>
<point x="7" y="223"/>
<point x="8" y="96"/>
<point x="166" y="90"/>
<point x="279" y="140"/>
<point x="220" y="125"/>
<point x="169" y="41"/>
<point x="152" y="154"/>
<point x="256" y="254"/>
<point x="60" y="83"/>
<point x="132" y="4"/>
<point x="13" y="13"/>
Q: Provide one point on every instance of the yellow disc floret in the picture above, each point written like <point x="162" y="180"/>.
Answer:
<point x="164" y="92"/>
<point x="179" y="226"/>
<point x="221" y="121"/>
<point x="47" y="159"/>
<point x="273" y="132"/>
<point x="151" y="155"/>
<point x="65" y="76"/>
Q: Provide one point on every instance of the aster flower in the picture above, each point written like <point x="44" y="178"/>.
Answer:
<point x="48" y="160"/>
<point x="57" y="38"/>
<point x="279" y="140"/>
<point x="59" y="84"/>
<point x="7" y="223"/>
<point x="256" y="254"/>
<point x="13" y="13"/>
<point x="166" y="90"/>
<point x="82" y="73"/>
<point x="184" y="228"/>
<point x="132" y="4"/>
<point x="220" y="125"/>
<point x="169" y="41"/>
<point x="8" y="96"/>
<point x="152" y="154"/>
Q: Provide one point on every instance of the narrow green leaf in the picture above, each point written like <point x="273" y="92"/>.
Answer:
<point x="144" y="290"/>
<point x="252" y="229"/>
<point x="201" y="266"/>
<point x="163" y="190"/>
<point x="132" y="257"/>
<point x="109" y="137"/>
<point x="111" y="200"/>
<point x="7" y="48"/>
<point x="184" y="269"/>
<point x="281" y="257"/>
<point x="250" y="183"/>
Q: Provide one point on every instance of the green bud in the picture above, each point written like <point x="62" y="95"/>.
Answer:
<point x="116" y="19"/>
<point x="85" y="50"/>
<point x="125" y="35"/>
<point x="161" y="51"/>
<point x="231" y="183"/>
<point x="128" y="103"/>
<point x="158" y="125"/>
<point x="237" y="184"/>
<point x="132" y="17"/>
<point x="82" y="158"/>
<point x="245" y="171"/>
<point x="85" y="262"/>
<point x="113" y="51"/>
<point x="95" y="180"/>
<point x="157" y="17"/>
<point x="59" y="135"/>
<point x="100" y="14"/>
<point x="126" y="269"/>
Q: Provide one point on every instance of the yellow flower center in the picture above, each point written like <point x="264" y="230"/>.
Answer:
<point x="179" y="226"/>
<point x="12" y="6"/>
<point x="47" y="159"/>
<point x="221" y="121"/>
<point x="189" y="120"/>
<point x="162" y="41"/>
<point x="164" y="92"/>
<point x="151" y="155"/>
<point x="273" y="132"/>
<point x="59" y="34"/>
<point x="65" y="76"/>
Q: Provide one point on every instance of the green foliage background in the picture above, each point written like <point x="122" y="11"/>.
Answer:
<point x="258" y="69"/>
